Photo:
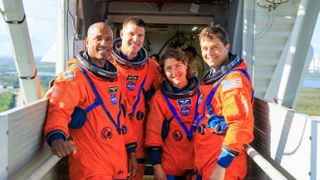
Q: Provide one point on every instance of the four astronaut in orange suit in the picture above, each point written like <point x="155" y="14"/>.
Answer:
<point x="85" y="120"/>
<point x="173" y="110"/>
<point x="140" y="77"/>
<point x="98" y="109"/>
<point x="226" y="123"/>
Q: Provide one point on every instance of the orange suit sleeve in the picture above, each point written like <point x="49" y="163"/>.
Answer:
<point x="238" y="111"/>
<point x="63" y="97"/>
<point x="154" y="123"/>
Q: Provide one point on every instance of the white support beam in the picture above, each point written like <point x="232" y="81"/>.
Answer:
<point x="62" y="36"/>
<point x="298" y="49"/>
<point x="16" y="23"/>
<point x="248" y="34"/>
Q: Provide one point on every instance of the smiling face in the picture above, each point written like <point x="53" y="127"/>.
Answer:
<point x="99" y="43"/>
<point x="176" y="72"/>
<point x="214" y="46"/>
<point x="132" y="37"/>
<point x="214" y="52"/>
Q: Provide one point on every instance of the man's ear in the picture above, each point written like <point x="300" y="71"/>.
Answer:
<point x="86" y="42"/>
<point x="121" y="33"/>
<point x="228" y="47"/>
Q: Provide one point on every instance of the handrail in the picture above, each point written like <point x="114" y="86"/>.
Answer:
<point x="44" y="168"/>
<point x="268" y="168"/>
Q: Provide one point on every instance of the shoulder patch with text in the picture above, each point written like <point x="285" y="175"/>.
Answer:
<point x="131" y="77"/>
<point x="113" y="89"/>
<point x="184" y="102"/>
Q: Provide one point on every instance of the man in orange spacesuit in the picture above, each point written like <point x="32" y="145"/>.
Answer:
<point x="173" y="110"/>
<point x="140" y="77"/>
<point x="226" y="121"/>
<point x="85" y="120"/>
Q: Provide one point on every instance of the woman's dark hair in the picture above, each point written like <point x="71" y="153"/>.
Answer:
<point x="177" y="55"/>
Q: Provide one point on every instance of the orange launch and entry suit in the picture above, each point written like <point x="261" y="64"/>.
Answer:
<point x="102" y="140"/>
<point x="140" y="78"/>
<point x="228" y="121"/>
<point x="170" y="127"/>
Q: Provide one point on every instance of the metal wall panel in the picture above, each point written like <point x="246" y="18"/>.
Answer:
<point x="283" y="137"/>
<point x="25" y="138"/>
<point x="3" y="146"/>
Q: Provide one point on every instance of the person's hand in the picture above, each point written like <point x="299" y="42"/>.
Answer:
<point x="133" y="165"/>
<point x="218" y="173"/>
<point x="63" y="148"/>
<point x="159" y="174"/>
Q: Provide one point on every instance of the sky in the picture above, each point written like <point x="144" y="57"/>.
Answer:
<point x="42" y="24"/>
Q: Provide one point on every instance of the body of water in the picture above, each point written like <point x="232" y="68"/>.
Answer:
<point x="310" y="82"/>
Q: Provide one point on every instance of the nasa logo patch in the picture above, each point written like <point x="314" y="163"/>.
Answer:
<point x="106" y="133"/>
<point x="69" y="74"/>
<point x="185" y="111"/>
<point x="131" y="86"/>
<point x="177" y="135"/>
<point x="113" y="99"/>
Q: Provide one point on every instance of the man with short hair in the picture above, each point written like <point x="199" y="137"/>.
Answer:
<point x="85" y="120"/>
<point x="226" y="123"/>
<point x="140" y="76"/>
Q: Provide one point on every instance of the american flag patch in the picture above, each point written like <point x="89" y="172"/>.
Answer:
<point x="231" y="84"/>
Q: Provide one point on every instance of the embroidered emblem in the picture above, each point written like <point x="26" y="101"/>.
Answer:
<point x="69" y="74"/>
<point x="106" y="133"/>
<point x="113" y="89"/>
<point x="184" y="102"/>
<point x="131" y="77"/>
<point x="113" y="99"/>
<point x="231" y="84"/>
<point x="185" y="111"/>
<point x="177" y="135"/>
<point x="140" y="115"/>
<point x="131" y="86"/>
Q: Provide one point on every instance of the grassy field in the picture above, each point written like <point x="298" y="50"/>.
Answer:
<point x="6" y="101"/>
<point x="308" y="102"/>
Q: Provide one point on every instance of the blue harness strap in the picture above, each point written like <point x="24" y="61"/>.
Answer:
<point x="172" y="109"/>
<point x="99" y="101"/>
<point x="136" y="102"/>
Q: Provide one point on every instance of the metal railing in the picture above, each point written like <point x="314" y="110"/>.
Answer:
<point x="265" y="166"/>
<point x="44" y="168"/>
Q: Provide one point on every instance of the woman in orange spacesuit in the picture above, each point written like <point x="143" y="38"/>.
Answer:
<point x="173" y="111"/>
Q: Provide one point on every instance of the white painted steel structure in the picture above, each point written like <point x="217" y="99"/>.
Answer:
<point x="16" y="23"/>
